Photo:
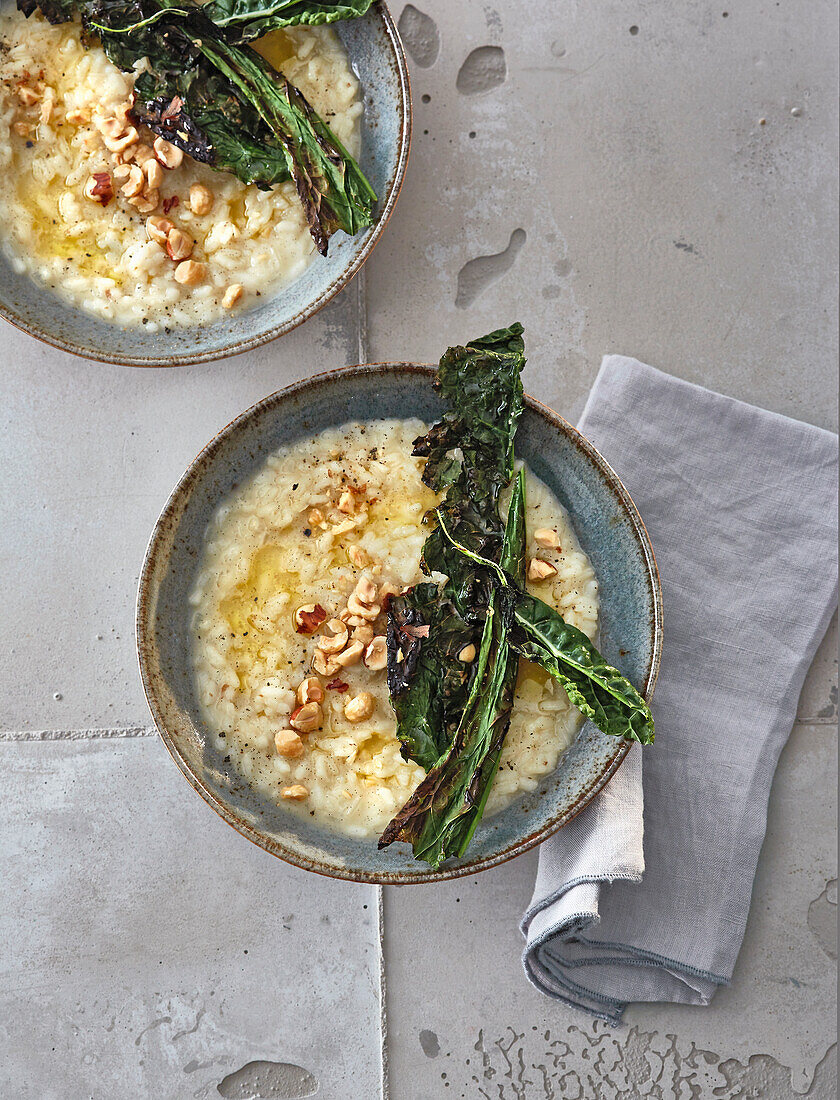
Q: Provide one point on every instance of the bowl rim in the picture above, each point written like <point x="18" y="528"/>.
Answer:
<point x="144" y="638"/>
<point x="237" y="347"/>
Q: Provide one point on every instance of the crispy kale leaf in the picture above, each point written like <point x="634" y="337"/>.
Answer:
<point x="470" y="454"/>
<point x="225" y="105"/>
<point x="542" y="635"/>
<point x="441" y="816"/>
<point x="246" y="20"/>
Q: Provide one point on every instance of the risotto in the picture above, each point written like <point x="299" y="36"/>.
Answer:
<point x="125" y="225"/>
<point x="288" y="626"/>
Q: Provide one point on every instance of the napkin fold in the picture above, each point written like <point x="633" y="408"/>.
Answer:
<point x="741" y="508"/>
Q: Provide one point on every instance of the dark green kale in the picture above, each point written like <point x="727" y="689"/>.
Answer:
<point x="225" y="105"/>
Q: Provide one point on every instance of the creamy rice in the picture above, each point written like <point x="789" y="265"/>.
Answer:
<point x="99" y="257"/>
<point x="264" y="558"/>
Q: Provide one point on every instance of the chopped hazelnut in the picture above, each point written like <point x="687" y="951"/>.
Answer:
<point x="129" y="179"/>
<point x="157" y="229"/>
<point x="359" y="707"/>
<point x="309" y="617"/>
<point x="22" y="129"/>
<point x="288" y="743"/>
<point x="467" y="654"/>
<point x="169" y="155"/>
<point x="153" y="173"/>
<point x="338" y="641"/>
<point x="347" y="503"/>
<point x="358" y="556"/>
<point x="310" y="691"/>
<point x="363" y="634"/>
<point x="179" y="245"/>
<point x="189" y="273"/>
<point x="78" y="116"/>
<point x="376" y="654"/>
<point x="546" y="538"/>
<point x="350" y="656"/>
<point x="232" y="295"/>
<point x="27" y="96"/>
<point x="99" y="188"/>
<point x="539" y="570"/>
<point x="201" y="199"/>
<point x="122" y="140"/>
<point x="323" y="665"/>
<point x="307" y="718"/>
<point x="146" y="202"/>
<point x="297" y="792"/>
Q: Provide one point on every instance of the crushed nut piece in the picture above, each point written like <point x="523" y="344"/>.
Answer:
<point x="129" y="178"/>
<point x="296" y="793"/>
<point x="153" y="173"/>
<point x="358" y="556"/>
<point x="78" y="116"/>
<point x="350" y="656"/>
<point x="359" y="707"/>
<point x="169" y="155"/>
<point x="539" y="570"/>
<point x="467" y="654"/>
<point x="179" y="245"/>
<point x="288" y="743"/>
<point x="232" y="295"/>
<point x="201" y="199"/>
<point x="363" y="634"/>
<point x="323" y="665"/>
<point x="27" y="96"/>
<point x="146" y="203"/>
<point x="338" y="641"/>
<point x="158" y="228"/>
<point x="376" y="654"/>
<point x="22" y="129"/>
<point x="347" y="502"/>
<point x="99" y="188"/>
<point x="140" y="154"/>
<point x="310" y="691"/>
<point x="307" y="718"/>
<point x="189" y="273"/>
<point x="309" y="617"/>
<point x="547" y="539"/>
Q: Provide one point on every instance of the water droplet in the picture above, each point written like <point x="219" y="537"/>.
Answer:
<point x="58" y="696"/>
<point x="796" y="112"/>
<point x="634" y="29"/>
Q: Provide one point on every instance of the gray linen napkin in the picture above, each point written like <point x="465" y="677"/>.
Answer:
<point x="741" y="507"/>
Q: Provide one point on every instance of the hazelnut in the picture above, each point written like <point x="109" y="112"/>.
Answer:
<point x="129" y="178"/>
<point x="547" y="539"/>
<point x="78" y="116"/>
<point x="539" y="570"/>
<point x="296" y="793"/>
<point x="347" y="503"/>
<point x="201" y="199"/>
<point x="157" y="229"/>
<point x="22" y="129"/>
<point x="152" y="172"/>
<point x="179" y="245"/>
<point x="376" y="654"/>
<point x="359" y="707"/>
<point x="363" y="634"/>
<point x="307" y="718"/>
<point x="232" y="295"/>
<point x="309" y="617"/>
<point x="122" y="141"/>
<point x="467" y="654"/>
<point x="99" y="188"/>
<point x="146" y="202"/>
<point x="140" y="154"/>
<point x="189" y="273"/>
<point x="338" y="641"/>
<point x="323" y="665"/>
<point x="358" y="556"/>
<point x="27" y="96"/>
<point x="350" y="656"/>
<point x="288" y="743"/>
<point x="310" y="691"/>
<point x="169" y="155"/>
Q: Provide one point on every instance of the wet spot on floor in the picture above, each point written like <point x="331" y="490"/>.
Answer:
<point x="420" y="35"/>
<point x="484" y="69"/>
<point x="478" y="274"/>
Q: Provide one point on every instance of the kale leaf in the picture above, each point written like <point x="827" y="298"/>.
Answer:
<point x="246" y="20"/>
<point x="223" y="104"/>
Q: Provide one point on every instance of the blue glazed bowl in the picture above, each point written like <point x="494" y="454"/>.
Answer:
<point x="607" y="524"/>
<point x="376" y="52"/>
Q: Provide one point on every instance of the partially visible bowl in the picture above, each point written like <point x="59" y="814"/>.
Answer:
<point x="607" y="524"/>
<point x="376" y="53"/>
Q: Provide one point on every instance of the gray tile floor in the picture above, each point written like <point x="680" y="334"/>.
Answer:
<point x="600" y="172"/>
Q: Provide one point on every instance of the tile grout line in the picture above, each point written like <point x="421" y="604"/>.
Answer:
<point x="97" y="734"/>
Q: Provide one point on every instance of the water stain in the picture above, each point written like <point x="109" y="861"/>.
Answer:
<point x="430" y="1044"/>
<point x="552" y="291"/>
<point x="576" y="1063"/>
<point x="151" y="1027"/>
<point x="830" y="709"/>
<point x="478" y="274"/>
<point x="822" y="919"/>
<point x="493" y="19"/>
<point x="420" y="36"/>
<point x="684" y="246"/>
<point x="484" y="69"/>
<point x="268" y="1081"/>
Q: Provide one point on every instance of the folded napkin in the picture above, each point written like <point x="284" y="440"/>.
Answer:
<point x="741" y="508"/>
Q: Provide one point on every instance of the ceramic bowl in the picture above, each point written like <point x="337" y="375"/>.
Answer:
<point x="377" y="55"/>
<point x="607" y="524"/>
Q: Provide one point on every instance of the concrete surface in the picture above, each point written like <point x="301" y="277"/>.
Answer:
<point x="600" y="172"/>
